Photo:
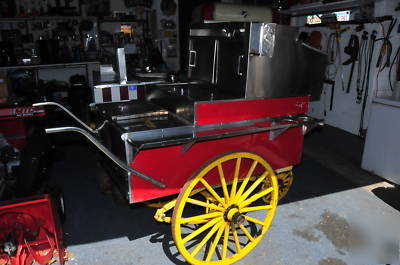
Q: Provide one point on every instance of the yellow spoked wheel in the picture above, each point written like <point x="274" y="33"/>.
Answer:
<point x="285" y="181"/>
<point x="224" y="229"/>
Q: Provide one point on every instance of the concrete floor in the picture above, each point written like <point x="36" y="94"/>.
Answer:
<point x="326" y="219"/>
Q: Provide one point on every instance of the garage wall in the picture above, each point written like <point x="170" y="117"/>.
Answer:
<point x="346" y="113"/>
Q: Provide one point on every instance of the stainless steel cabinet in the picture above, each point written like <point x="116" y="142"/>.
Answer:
<point x="231" y="69"/>
<point x="255" y="60"/>
<point x="201" y="59"/>
<point x="218" y="54"/>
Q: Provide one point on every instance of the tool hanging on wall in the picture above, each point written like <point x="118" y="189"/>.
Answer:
<point x="367" y="66"/>
<point x="396" y="57"/>
<point x="332" y="85"/>
<point x="362" y="61"/>
<point x="386" y="48"/>
<point x="334" y="53"/>
<point x="385" y="52"/>
<point x="369" y="54"/>
<point x="351" y="49"/>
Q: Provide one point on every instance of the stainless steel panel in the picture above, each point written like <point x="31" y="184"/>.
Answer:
<point x="262" y="39"/>
<point x="139" y="115"/>
<point x="294" y="69"/>
<point x="209" y="32"/>
<point x="159" y="134"/>
<point x="122" y="65"/>
<point x="256" y="60"/>
<point x="107" y="73"/>
<point x="119" y="110"/>
<point x="219" y="30"/>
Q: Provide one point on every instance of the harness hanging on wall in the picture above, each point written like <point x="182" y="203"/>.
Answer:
<point x="351" y="49"/>
<point x="362" y="62"/>
<point x="370" y="52"/>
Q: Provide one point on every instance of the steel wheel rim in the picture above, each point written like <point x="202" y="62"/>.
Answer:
<point x="226" y="215"/>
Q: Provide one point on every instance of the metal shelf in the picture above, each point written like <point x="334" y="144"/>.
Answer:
<point x="5" y="19"/>
<point x="354" y="22"/>
<point x="47" y="66"/>
<point x="111" y="20"/>
<point x="320" y="7"/>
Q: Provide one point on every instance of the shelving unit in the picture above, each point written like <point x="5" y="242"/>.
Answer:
<point x="320" y="7"/>
<point x="88" y="65"/>
<point x="38" y="18"/>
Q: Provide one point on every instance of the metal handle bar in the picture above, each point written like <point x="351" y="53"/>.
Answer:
<point x="310" y="123"/>
<point x="307" y="122"/>
<point x="194" y="58"/>
<point x="239" y="65"/>
<point x="49" y="103"/>
<point x="41" y="104"/>
<point x="107" y="153"/>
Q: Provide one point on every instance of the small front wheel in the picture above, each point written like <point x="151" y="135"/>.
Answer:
<point x="222" y="223"/>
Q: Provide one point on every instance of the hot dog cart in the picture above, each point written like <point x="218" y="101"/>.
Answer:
<point x="221" y="146"/>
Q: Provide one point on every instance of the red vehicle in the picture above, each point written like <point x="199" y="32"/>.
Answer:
<point x="224" y="166"/>
<point x="220" y="147"/>
<point x="29" y="225"/>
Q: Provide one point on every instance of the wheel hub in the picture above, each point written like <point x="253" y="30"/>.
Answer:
<point x="233" y="215"/>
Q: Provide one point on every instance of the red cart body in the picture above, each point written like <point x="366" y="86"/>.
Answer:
<point x="173" y="165"/>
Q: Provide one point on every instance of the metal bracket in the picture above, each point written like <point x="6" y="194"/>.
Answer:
<point x="273" y="134"/>
<point x="187" y="146"/>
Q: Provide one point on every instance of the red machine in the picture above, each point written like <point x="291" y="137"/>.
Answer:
<point x="30" y="231"/>
<point x="218" y="147"/>
<point x="29" y="226"/>
<point x="229" y="161"/>
<point x="12" y="123"/>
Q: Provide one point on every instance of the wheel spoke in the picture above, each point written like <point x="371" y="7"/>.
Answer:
<point x="215" y="242"/>
<point x="253" y="220"/>
<point x="200" y="230"/>
<point x="204" y="204"/>
<point x="255" y="197"/>
<point x="206" y="238"/>
<point x="235" y="236"/>
<point x="246" y="233"/>
<point x="199" y="222"/>
<point x="201" y="217"/>
<point x="225" y="244"/>
<point x="252" y="188"/>
<point x="255" y="208"/>
<point x="212" y="191"/>
<point x="223" y="182"/>
<point x="246" y="180"/>
<point x="235" y="178"/>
